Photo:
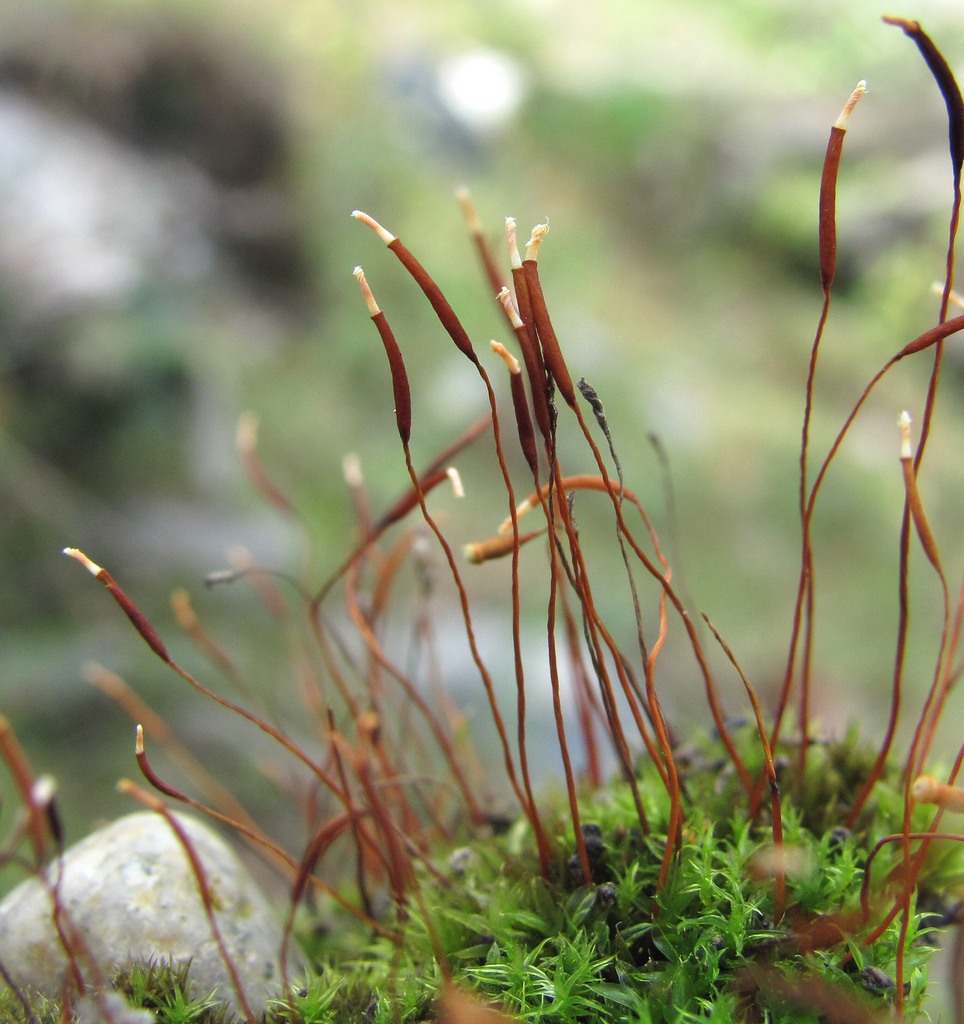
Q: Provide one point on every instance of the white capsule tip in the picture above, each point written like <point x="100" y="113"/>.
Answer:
<point x="456" y="480"/>
<point x="43" y="791"/>
<point x="92" y="567"/>
<point x="906" y="449"/>
<point x="383" y="233"/>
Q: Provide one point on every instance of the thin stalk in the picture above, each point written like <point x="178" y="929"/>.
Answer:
<point x="153" y="640"/>
<point x="270" y="850"/>
<point x="803" y="609"/>
<point x="200" y="875"/>
<point x="780" y="879"/>
<point x="458" y="335"/>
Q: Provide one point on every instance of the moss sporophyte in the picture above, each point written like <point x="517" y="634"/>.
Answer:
<point x="758" y="873"/>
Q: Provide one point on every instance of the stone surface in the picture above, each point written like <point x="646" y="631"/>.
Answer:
<point x="129" y="891"/>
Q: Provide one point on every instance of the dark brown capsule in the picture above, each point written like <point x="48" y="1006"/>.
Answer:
<point x="396" y="364"/>
<point x="527" y="438"/>
<point x="136" y="616"/>
<point x="551" y="352"/>
<point x="930" y="337"/>
<point x="423" y="279"/>
<point x="947" y="84"/>
<point x="521" y="322"/>
<point x="828" y="191"/>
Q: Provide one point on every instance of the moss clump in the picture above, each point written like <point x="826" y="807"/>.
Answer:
<point x="707" y="945"/>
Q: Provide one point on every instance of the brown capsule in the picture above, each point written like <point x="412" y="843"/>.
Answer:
<point x="136" y="616"/>
<point x="527" y="438"/>
<point x="438" y="301"/>
<point x="551" y="352"/>
<point x="946" y="82"/>
<point x="246" y="442"/>
<point x="423" y="279"/>
<point x="409" y="499"/>
<point x="914" y="502"/>
<point x="401" y="390"/>
<point x="148" y="772"/>
<point x="828" y="191"/>
<point x="521" y="322"/>
<point x="930" y="337"/>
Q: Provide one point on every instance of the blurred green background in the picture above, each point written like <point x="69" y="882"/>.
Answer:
<point x="176" y="249"/>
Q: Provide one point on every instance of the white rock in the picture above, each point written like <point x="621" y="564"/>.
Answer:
<point x="129" y="891"/>
<point x="111" y="1007"/>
